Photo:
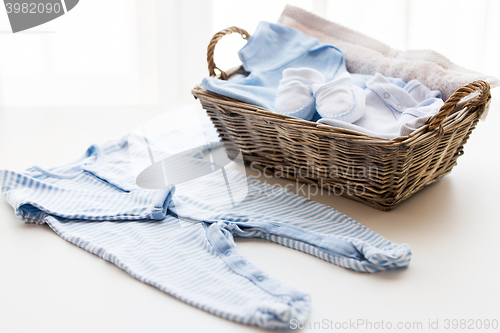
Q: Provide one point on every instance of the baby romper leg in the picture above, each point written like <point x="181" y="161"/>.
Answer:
<point x="281" y="216"/>
<point x="182" y="262"/>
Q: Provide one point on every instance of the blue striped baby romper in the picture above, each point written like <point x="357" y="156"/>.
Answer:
<point x="95" y="204"/>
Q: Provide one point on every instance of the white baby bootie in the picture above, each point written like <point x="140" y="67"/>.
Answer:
<point x="339" y="100"/>
<point x="295" y="97"/>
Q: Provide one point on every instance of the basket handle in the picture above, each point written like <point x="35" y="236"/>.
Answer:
<point x="211" y="47"/>
<point x="479" y="85"/>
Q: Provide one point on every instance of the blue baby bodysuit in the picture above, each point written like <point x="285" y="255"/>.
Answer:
<point x="272" y="48"/>
<point x="95" y="204"/>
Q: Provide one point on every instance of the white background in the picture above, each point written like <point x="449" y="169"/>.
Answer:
<point x="97" y="72"/>
<point x="146" y="52"/>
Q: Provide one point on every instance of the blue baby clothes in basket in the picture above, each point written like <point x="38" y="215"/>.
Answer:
<point x="95" y="204"/>
<point x="285" y="66"/>
<point x="271" y="49"/>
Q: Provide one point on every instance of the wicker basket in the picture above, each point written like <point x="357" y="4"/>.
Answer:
<point x="379" y="172"/>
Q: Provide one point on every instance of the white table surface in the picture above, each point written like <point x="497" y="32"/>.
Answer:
<point x="452" y="226"/>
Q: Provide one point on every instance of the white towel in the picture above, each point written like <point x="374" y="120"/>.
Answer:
<point x="366" y="55"/>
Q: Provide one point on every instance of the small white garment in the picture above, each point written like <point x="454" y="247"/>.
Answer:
<point x="339" y="99"/>
<point x="295" y="97"/>
<point x="392" y="111"/>
<point x="303" y="91"/>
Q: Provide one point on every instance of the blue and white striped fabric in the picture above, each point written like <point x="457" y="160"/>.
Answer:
<point x="183" y="244"/>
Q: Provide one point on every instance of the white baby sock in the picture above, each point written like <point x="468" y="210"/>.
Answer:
<point x="340" y="100"/>
<point x="295" y="97"/>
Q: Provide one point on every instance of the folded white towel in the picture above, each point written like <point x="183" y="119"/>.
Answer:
<point x="366" y="55"/>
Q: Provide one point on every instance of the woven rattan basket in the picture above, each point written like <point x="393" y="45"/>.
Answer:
<point x="379" y="172"/>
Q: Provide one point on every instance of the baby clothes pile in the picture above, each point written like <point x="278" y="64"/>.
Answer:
<point x="294" y="74"/>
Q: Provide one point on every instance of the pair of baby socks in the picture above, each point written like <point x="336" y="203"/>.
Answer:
<point x="303" y="91"/>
